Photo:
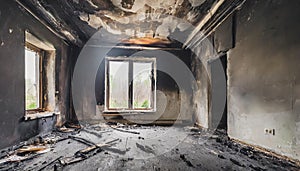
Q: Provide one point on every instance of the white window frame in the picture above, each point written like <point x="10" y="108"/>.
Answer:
<point x="130" y="108"/>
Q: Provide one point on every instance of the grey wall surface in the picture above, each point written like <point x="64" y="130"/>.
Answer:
<point x="264" y="76"/>
<point x="174" y="95"/>
<point x="13" y="23"/>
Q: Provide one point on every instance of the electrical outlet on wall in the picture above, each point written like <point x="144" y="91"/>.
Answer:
<point x="269" y="131"/>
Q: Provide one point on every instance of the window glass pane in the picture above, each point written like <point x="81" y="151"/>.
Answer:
<point x="142" y="85"/>
<point x="32" y="82"/>
<point x="118" y="84"/>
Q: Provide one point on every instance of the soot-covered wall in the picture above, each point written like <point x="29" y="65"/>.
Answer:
<point x="13" y="23"/>
<point x="172" y="97"/>
<point x="264" y="76"/>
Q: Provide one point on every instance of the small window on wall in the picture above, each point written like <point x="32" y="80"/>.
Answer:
<point x="33" y="84"/>
<point x="39" y="76"/>
<point x="130" y="84"/>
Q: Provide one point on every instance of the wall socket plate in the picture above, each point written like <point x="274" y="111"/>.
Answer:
<point x="269" y="131"/>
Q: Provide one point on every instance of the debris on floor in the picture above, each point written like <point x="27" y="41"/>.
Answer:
<point x="123" y="130"/>
<point x="105" y="147"/>
<point x="182" y="156"/>
<point x="32" y="149"/>
<point x="145" y="148"/>
<point x="14" y="158"/>
<point x="66" y="130"/>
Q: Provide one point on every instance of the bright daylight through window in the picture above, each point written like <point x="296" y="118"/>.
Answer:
<point x="130" y="84"/>
<point x="32" y="79"/>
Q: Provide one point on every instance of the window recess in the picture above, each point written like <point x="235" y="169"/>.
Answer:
<point x="33" y="78"/>
<point x="39" y="73"/>
<point x="130" y="84"/>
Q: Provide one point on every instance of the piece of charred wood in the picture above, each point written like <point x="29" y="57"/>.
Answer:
<point x="182" y="156"/>
<point x="91" y="148"/>
<point x="87" y="152"/>
<point x="115" y="150"/>
<point x="123" y="130"/>
<point x="82" y="140"/>
<point x="96" y="146"/>
<point x="50" y="163"/>
<point x="145" y="148"/>
<point x="71" y="160"/>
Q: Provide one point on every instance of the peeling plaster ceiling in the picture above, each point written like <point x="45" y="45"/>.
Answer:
<point x="134" y="18"/>
<point x="141" y="18"/>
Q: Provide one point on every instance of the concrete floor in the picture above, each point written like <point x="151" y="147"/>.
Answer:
<point x="148" y="148"/>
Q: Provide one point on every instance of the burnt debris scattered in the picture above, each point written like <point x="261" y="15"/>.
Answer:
<point x="72" y="147"/>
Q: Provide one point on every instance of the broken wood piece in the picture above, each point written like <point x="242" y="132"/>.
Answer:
<point x="13" y="158"/>
<point x="66" y="130"/>
<point x="61" y="139"/>
<point x="70" y="160"/>
<point x="48" y="164"/>
<point x="93" y="147"/>
<point x="82" y="140"/>
<point x="123" y="130"/>
<point x="85" y="153"/>
<point x="182" y="156"/>
<point x="28" y="149"/>
<point x="16" y="158"/>
<point x="109" y="142"/>
<point x="145" y="148"/>
<point x="115" y="150"/>
<point x="71" y="125"/>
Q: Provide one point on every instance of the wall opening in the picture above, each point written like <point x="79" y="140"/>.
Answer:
<point x="39" y="77"/>
<point x="223" y="121"/>
<point x="218" y="97"/>
<point x="130" y="84"/>
<point x="33" y="77"/>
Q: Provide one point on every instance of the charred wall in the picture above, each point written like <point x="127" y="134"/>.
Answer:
<point x="169" y="94"/>
<point x="263" y="73"/>
<point x="14" y="22"/>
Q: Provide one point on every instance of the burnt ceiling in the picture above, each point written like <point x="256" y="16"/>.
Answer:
<point x="77" y="20"/>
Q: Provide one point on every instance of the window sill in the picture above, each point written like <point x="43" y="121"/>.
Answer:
<point x="129" y="111"/>
<point x="40" y="115"/>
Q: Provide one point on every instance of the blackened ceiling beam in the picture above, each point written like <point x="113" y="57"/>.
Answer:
<point x="41" y="21"/>
<point x="189" y="42"/>
<point x="219" y="12"/>
<point x="57" y="26"/>
<point x="66" y="11"/>
<point x="227" y="9"/>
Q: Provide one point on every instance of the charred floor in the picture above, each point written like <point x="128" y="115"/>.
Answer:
<point x="149" y="84"/>
<point x="114" y="146"/>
